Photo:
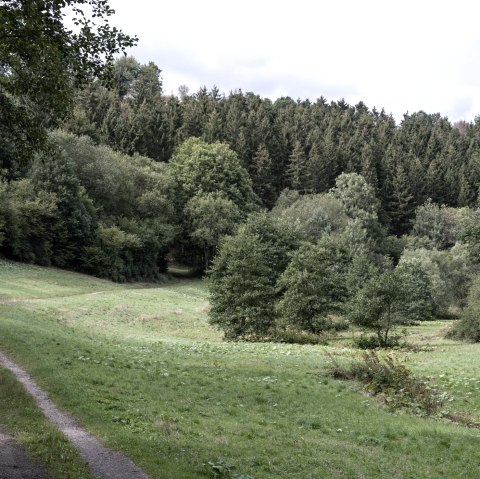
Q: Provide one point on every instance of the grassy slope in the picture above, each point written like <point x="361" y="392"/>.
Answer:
<point x="141" y="368"/>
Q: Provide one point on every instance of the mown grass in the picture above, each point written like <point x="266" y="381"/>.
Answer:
<point x="142" y="369"/>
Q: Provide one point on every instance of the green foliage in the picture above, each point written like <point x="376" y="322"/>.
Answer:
<point x="360" y="270"/>
<point x="458" y="271"/>
<point x="360" y="203"/>
<point x="42" y="60"/>
<point x="418" y="304"/>
<point x="51" y="217"/>
<point x="307" y="143"/>
<point x="314" y="216"/>
<point x="357" y="196"/>
<point x="211" y="216"/>
<point x="468" y="327"/>
<point x="399" y="387"/>
<point x="263" y="177"/>
<point x="55" y="173"/>
<point x="33" y="223"/>
<point x="134" y="198"/>
<point x="371" y="341"/>
<point x="314" y="287"/>
<point x="244" y="274"/>
<point x="450" y="273"/>
<point x="201" y="168"/>
<point x="444" y="226"/>
<point x="204" y="172"/>
<point x="382" y="305"/>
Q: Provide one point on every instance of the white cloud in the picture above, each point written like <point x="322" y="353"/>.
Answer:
<point x="404" y="56"/>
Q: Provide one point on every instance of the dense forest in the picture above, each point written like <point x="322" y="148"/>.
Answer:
<point x="133" y="178"/>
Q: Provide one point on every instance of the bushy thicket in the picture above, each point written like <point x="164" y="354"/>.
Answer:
<point x="91" y="209"/>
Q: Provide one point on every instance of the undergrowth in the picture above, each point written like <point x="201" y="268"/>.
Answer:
<point x="394" y="382"/>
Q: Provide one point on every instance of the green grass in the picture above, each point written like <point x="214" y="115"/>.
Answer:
<point x="141" y="368"/>
<point x="21" y="418"/>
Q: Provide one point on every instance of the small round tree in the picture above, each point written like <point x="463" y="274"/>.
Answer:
<point x="377" y="306"/>
<point x="314" y="286"/>
<point x="392" y="298"/>
<point x="244" y="274"/>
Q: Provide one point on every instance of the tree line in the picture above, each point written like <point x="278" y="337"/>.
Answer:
<point x="299" y="144"/>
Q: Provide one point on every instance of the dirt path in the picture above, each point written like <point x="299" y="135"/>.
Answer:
<point x="102" y="461"/>
<point x="15" y="464"/>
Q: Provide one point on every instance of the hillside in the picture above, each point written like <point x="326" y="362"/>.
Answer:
<point x="140" y="367"/>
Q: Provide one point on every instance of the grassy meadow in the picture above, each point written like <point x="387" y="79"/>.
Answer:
<point x="139" y="366"/>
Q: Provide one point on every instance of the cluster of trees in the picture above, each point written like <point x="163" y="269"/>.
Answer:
<point x="301" y="145"/>
<point x="89" y="208"/>
<point x="317" y="258"/>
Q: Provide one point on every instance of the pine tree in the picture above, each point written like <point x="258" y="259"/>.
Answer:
<point x="367" y="165"/>
<point x="297" y="168"/>
<point x="402" y="206"/>
<point x="262" y="176"/>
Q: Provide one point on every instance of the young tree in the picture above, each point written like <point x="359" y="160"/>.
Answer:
<point x="212" y="217"/>
<point x="468" y="328"/>
<point x="376" y="306"/>
<point x="298" y="172"/>
<point x="390" y="299"/>
<point x="262" y="176"/>
<point x="314" y="286"/>
<point x="244" y="274"/>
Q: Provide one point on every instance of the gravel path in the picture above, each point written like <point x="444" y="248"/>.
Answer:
<point x="15" y="464"/>
<point x="102" y="461"/>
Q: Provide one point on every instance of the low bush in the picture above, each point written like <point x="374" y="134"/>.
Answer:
<point x="295" y="336"/>
<point x="372" y="342"/>
<point x="394" y="382"/>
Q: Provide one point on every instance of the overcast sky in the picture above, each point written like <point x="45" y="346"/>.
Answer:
<point x="400" y="55"/>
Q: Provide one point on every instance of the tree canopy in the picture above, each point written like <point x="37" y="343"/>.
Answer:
<point x="47" y="49"/>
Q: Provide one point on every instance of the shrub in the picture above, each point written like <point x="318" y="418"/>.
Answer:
<point x="399" y="387"/>
<point x="368" y="341"/>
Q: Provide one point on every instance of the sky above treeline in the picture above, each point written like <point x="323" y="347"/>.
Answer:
<point x="402" y="56"/>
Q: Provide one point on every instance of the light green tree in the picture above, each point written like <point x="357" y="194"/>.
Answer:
<point x="212" y="217"/>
